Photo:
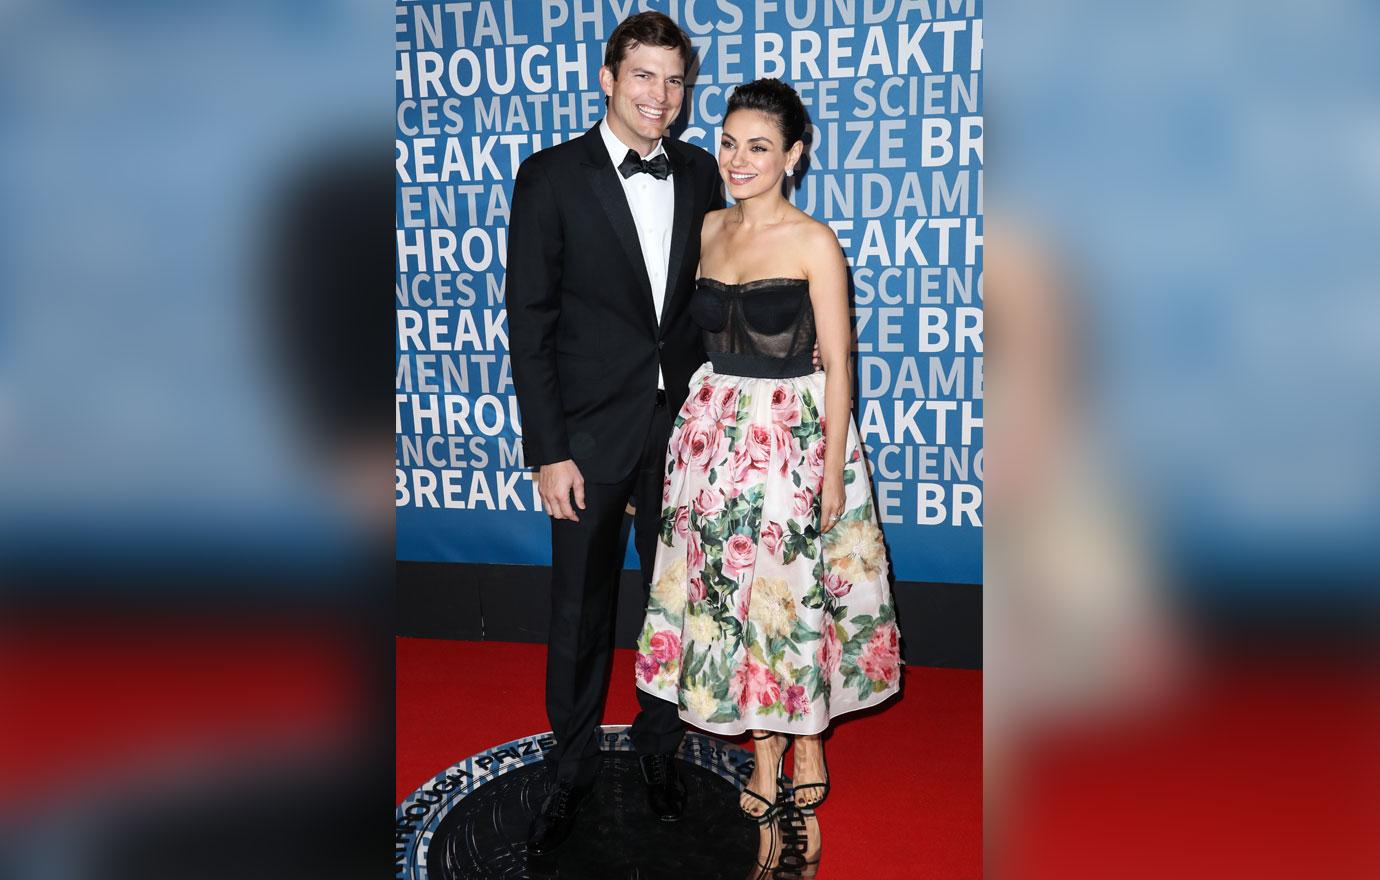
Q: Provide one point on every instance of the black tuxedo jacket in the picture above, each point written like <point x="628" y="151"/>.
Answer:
<point x="582" y="328"/>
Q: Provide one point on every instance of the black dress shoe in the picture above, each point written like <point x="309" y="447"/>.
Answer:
<point x="665" y="791"/>
<point x="553" y="824"/>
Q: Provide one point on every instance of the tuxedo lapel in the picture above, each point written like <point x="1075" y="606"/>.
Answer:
<point x="680" y="225"/>
<point x="603" y="179"/>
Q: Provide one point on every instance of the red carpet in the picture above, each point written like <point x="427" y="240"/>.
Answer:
<point x="906" y="800"/>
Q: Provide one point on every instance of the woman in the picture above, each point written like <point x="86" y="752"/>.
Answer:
<point x="770" y="609"/>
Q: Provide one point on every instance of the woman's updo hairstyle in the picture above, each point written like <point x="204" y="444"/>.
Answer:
<point x="776" y="99"/>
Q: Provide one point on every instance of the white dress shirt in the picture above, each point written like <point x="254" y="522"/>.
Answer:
<point x="652" y="203"/>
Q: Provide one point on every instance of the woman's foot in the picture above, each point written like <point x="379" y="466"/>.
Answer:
<point x="810" y="772"/>
<point x="758" y="798"/>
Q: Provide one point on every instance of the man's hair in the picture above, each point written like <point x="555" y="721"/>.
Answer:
<point x="646" y="29"/>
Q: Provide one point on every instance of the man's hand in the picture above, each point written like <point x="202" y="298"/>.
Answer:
<point x="555" y="482"/>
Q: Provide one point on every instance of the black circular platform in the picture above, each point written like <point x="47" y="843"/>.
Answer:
<point x="472" y="820"/>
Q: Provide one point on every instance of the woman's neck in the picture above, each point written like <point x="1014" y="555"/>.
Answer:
<point x="766" y="209"/>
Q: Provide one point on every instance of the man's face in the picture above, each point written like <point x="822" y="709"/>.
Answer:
<point x="646" y="95"/>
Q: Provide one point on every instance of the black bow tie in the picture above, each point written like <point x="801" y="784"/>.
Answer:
<point x="657" y="166"/>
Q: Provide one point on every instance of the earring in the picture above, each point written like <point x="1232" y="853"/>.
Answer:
<point x="790" y="172"/>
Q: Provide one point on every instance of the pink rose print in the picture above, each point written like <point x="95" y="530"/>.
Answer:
<point x="785" y="406"/>
<point x="772" y="537"/>
<point x="683" y="521"/>
<point x="726" y="406"/>
<point x="740" y="464"/>
<point x="710" y="502"/>
<point x="796" y="704"/>
<point x="755" y="453"/>
<point x="647" y="667"/>
<point x="814" y="463"/>
<point x="754" y="682"/>
<point x="804" y="502"/>
<point x="880" y="659"/>
<point x="699" y="401"/>
<point x="665" y="646"/>
<point x="697" y="590"/>
<point x="787" y="447"/>
<point x="739" y="554"/>
<point x="837" y="586"/>
<point x="694" y="553"/>
<point x="741" y="612"/>
<point x="665" y="490"/>
<point x="830" y="650"/>
<point x="702" y="443"/>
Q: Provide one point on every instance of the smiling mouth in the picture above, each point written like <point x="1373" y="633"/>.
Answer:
<point x="651" y="113"/>
<point x="740" y="178"/>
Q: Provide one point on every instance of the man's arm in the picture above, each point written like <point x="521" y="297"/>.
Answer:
<point x="533" y="296"/>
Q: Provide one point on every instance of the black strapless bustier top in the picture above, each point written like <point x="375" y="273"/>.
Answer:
<point x="763" y="329"/>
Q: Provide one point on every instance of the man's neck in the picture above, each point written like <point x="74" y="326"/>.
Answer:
<point x="630" y="139"/>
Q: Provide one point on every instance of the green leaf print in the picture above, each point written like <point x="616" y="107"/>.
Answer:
<point x="697" y="666"/>
<point x="725" y="716"/>
<point x="854" y="678"/>
<point x="849" y="475"/>
<point x="720" y="686"/>
<point x="755" y="648"/>
<point x="668" y="526"/>
<point x="802" y="633"/>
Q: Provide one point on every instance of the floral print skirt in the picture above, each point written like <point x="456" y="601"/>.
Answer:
<point x="755" y="620"/>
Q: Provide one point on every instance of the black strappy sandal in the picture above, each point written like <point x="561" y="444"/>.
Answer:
<point x="810" y="808"/>
<point x="773" y="807"/>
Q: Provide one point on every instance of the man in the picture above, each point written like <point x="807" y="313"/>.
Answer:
<point x="603" y="248"/>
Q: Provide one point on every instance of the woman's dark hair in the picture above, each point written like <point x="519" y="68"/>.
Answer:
<point x="776" y="99"/>
<point x="646" y="29"/>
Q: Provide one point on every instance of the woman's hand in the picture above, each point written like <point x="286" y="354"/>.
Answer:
<point x="831" y="501"/>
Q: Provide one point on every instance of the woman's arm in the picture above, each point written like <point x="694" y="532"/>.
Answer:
<point x="828" y="273"/>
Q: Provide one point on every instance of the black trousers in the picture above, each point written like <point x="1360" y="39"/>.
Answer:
<point x="586" y="559"/>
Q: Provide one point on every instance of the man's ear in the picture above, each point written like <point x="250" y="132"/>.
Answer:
<point x="606" y="80"/>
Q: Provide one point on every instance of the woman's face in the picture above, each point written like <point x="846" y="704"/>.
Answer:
<point x="752" y="156"/>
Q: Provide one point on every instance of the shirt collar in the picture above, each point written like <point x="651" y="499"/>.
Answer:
<point x="618" y="150"/>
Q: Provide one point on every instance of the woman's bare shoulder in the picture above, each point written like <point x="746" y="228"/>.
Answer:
<point x="814" y="242"/>
<point x="713" y="222"/>
<point x="814" y="233"/>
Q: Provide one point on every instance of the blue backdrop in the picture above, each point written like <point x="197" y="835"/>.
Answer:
<point x="894" y="92"/>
